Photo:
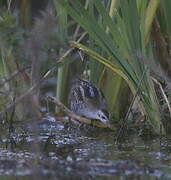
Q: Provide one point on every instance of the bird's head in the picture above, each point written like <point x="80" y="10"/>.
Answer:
<point x="101" y="115"/>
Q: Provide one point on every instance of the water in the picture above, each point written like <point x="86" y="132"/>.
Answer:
<point x="50" y="151"/>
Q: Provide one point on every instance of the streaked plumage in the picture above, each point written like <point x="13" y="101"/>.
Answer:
<point x="87" y="100"/>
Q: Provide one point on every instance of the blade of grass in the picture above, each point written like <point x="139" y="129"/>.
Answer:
<point x="130" y="66"/>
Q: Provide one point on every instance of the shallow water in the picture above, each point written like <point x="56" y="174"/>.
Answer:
<point x="50" y="151"/>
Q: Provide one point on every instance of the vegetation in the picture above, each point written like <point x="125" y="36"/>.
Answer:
<point x="124" y="44"/>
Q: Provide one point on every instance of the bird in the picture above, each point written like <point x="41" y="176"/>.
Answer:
<point x="85" y="99"/>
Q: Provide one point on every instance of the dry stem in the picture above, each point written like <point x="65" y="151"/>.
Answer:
<point x="73" y="115"/>
<point x="163" y="93"/>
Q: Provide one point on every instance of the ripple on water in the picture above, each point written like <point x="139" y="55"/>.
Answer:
<point x="66" y="154"/>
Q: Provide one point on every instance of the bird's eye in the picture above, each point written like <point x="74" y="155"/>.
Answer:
<point x="103" y="117"/>
<point x="106" y="113"/>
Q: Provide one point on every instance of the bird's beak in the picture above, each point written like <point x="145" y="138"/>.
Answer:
<point x="102" y="124"/>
